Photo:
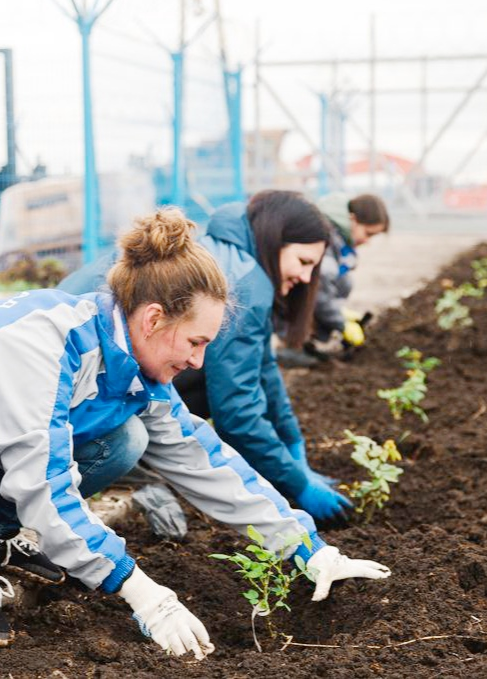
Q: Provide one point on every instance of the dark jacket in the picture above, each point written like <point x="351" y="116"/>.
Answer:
<point x="247" y="397"/>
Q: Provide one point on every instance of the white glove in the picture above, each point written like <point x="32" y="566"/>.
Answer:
<point x="163" y="618"/>
<point x="330" y="565"/>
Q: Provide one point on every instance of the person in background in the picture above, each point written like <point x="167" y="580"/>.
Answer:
<point x="83" y="374"/>
<point x="270" y="251"/>
<point x="353" y="221"/>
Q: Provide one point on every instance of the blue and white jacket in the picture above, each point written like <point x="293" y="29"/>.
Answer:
<point x="248" y="401"/>
<point x="69" y="376"/>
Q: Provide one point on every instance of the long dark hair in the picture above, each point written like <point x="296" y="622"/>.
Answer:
<point x="279" y="218"/>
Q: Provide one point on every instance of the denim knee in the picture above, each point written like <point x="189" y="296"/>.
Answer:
<point x="136" y="439"/>
<point x="126" y="445"/>
<point x="106" y="459"/>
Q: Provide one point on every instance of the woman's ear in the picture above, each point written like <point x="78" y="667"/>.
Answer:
<point x="153" y="319"/>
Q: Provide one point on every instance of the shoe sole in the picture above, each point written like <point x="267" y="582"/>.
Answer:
<point x="34" y="577"/>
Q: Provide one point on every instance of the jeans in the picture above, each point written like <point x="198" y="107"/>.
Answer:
<point x="100" y="463"/>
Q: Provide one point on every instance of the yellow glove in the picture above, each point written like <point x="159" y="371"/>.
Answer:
<point x="353" y="333"/>
<point x="351" y="315"/>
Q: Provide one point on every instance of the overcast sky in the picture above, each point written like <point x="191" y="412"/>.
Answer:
<point x="132" y="76"/>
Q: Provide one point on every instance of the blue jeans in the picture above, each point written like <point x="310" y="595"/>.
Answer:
<point x="100" y="463"/>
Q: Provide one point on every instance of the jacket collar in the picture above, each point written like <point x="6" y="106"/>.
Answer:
<point x="229" y="223"/>
<point x="121" y="368"/>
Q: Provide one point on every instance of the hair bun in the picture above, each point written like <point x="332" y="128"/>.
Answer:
<point x="159" y="236"/>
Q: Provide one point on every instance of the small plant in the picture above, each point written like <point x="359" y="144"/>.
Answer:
<point x="450" y="311"/>
<point x="271" y="583"/>
<point x="479" y="267"/>
<point x="376" y="459"/>
<point x="413" y="360"/>
<point x="408" y="396"/>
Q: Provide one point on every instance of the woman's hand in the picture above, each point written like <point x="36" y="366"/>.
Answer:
<point x="163" y="618"/>
<point x="329" y="565"/>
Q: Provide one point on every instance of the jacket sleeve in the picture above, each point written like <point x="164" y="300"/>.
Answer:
<point x="238" y="401"/>
<point x="279" y="409"/>
<point x="40" y="362"/>
<point x="212" y="476"/>
<point x="329" y="300"/>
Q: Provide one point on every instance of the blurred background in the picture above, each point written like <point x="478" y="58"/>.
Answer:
<point x="110" y="107"/>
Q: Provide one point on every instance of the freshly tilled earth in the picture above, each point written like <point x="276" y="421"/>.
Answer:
<point x="428" y="620"/>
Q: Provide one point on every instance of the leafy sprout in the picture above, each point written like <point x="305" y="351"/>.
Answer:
<point x="378" y="460"/>
<point x="408" y="396"/>
<point x="450" y="311"/>
<point x="265" y="570"/>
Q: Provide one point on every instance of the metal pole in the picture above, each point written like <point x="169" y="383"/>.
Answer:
<point x="85" y="18"/>
<point x="423" y="193"/>
<point x="11" y="169"/>
<point x="342" y="160"/>
<point x="372" y="148"/>
<point x="178" y="183"/>
<point x="424" y="104"/>
<point x="323" y="184"/>
<point x="453" y="115"/>
<point x="234" y="82"/>
<point x="91" y="194"/>
<point x="330" y="163"/>
<point x="379" y="60"/>
<point x="257" y="120"/>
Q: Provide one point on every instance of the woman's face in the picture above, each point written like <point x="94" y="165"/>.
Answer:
<point x="296" y="263"/>
<point x="362" y="232"/>
<point x="163" y="350"/>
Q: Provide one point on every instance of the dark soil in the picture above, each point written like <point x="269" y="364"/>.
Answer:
<point x="432" y="535"/>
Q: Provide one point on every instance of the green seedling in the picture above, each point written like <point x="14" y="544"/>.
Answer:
<point x="265" y="569"/>
<point x="408" y="396"/>
<point x="373" y="493"/>
<point x="413" y="360"/>
<point x="451" y="313"/>
<point x="479" y="267"/>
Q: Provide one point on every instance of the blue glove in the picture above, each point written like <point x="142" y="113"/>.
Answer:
<point x="298" y="453"/>
<point x="322" y="501"/>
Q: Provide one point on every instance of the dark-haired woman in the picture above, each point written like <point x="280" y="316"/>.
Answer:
<point x="270" y="251"/>
<point x="82" y="373"/>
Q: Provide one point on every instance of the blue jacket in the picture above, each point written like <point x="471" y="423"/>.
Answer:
<point x="248" y="401"/>
<point x="246" y="393"/>
<point x="69" y="376"/>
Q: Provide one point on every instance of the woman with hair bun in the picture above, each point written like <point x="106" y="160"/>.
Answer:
<point x="76" y="369"/>
<point x="270" y="250"/>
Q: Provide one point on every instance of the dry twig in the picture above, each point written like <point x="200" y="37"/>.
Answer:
<point x="290" y="642"/>
<point x="481" y="410"/>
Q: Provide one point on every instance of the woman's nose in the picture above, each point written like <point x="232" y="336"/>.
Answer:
<point x="197" y="358"/>
<point x="306" y="275"/>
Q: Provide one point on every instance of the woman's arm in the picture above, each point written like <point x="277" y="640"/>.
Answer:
<point x="238" y="400"/>
<point x="42" y="343"/>
<point x="214" y="477"/>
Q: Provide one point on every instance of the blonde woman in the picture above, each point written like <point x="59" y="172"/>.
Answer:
<point x="77" y="368"/>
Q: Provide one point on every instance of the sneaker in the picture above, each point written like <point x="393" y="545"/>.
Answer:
<point x="22" y="557"/>
<point x="311" y="349"/>
<point x="294" y="358"/>
<point x="6" y="632"/>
